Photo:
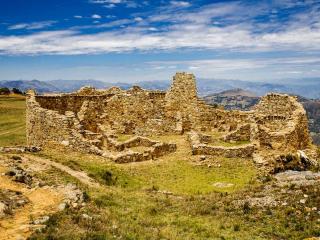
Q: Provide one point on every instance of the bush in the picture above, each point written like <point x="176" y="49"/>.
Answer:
<point x="17" y="91"/>
<point x="4" y="91"/>
<point x="107" y="176"/>
<point x="246" y="207"/>
<point x="236" y="227"/>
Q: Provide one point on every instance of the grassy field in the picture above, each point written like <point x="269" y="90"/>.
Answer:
<point x="12" y="120"/>
<point x="171" y="198"/>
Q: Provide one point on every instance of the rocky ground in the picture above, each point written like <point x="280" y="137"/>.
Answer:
<point x="26" y="201"/>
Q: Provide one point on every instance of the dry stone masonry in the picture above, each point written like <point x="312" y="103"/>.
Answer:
<point x="91" y="120"/>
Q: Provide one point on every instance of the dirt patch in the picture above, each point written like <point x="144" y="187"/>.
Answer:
<point x="41" y="202"/>
<point x="22" y="218"/>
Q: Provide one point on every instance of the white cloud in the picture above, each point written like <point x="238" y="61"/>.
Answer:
<point x="114" y="3"/>
<point x="77" y="16"/>
<point x="180" y="3"/>
<point x="32" y="26"/>
<point x="138" y="19"/>
<point x="111" y="5"/>
<point x="96" y="16"/>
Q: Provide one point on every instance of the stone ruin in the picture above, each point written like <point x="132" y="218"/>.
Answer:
<point x="90" y="120"/>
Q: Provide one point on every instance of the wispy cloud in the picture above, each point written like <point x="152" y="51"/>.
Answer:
<point x="240" y="63"/>
<point x="113" y="3"/>
<point x="254" y="68"/>
<point x="32" y="26"/>
<point x="106" y="1"/>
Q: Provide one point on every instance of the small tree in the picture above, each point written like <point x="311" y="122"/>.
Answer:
<point x="17" y="91"/>
<point x="4" y="91"/>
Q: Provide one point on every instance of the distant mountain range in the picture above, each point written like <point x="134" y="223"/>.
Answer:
<point x="309" y="88"/>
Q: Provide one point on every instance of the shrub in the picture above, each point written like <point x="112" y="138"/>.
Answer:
<point x="246" y="207"/>
<point x="17" y="91"/>
<point x="236" y="227"/>
<point x="4" y="91"/>
<point x="108" y="177"/>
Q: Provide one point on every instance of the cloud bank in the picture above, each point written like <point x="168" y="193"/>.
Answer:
<point x="230" y="26"/>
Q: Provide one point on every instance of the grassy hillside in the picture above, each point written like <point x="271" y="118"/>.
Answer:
<point x="12" y="120"/>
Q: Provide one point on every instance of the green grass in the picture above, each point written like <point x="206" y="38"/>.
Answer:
<point x="181" y="177"/>
<point x="131" y="207"/>
<point x="124" y="137"/>
<point x="12" y="120"/>
<point x="174" y="172"/>
<point x="121" y="212"/>
<point x="229" y="144"/>
<point x="218" y="142"/>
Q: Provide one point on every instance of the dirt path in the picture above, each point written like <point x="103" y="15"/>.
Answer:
<point x="42" y="202"/>
<point x="81" y="176"/>
<point x="11" y="131"/>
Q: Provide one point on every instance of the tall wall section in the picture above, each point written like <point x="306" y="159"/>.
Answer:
<point x="181" y="102"/>
<point x="281" y="123"/>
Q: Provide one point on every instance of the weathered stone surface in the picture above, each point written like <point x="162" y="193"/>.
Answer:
<point x="297" y="178"/>
<point x="297" y="161"/>
<point x="19" y="149"/>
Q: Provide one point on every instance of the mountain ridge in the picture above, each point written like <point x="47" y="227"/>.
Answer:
<point x="308" y="89"/>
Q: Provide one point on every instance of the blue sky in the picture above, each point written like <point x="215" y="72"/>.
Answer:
<point x="131" y="40"/>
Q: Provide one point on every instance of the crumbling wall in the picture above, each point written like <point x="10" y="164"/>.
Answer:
<point x="242" y="133"/>
<point x="245" y="151"/>
<point x="282" y="123"/>
<point x="45" y="126"/>
<point x="66" y="102"/>
<point x="133" y="112"/>
<point x="219" y="119"/>
<point x="200" y="148"/>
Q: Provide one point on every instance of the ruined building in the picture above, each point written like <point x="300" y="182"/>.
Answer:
<point x="90" y="120"/>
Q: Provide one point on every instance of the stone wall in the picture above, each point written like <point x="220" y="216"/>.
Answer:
<point x="65" y="103"/>
<point x="134" y="112"/>
<point x="245" y="151"/>
<point x="44" y="126"/>
<point x="242" y="133"/>
<point x="281" y="123"/>
<point x="200" y="145"/>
